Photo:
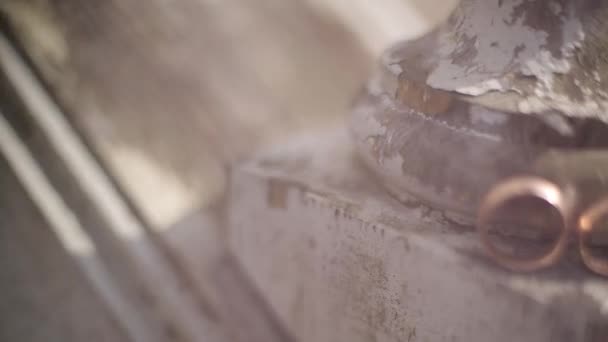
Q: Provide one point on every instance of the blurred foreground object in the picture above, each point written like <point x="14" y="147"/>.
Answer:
<point x="141" y="283"/>
<point x="340" y="259"/>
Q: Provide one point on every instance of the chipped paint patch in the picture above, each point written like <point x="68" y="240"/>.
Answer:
<point x="486" y="39"/>
<point x="531" y="56"/>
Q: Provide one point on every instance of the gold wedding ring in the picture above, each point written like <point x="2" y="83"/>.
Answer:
<point x="519" y="188"/>
<point x="588" y="222"/>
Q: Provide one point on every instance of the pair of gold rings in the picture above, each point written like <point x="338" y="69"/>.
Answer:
<point x="575" y="221"/>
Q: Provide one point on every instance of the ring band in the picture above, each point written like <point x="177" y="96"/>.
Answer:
<point x="586" y="224"/>
<point x="519" y="187"/>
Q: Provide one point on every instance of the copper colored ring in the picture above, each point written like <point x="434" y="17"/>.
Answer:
<point x="518" y="188"/>
<point x="586" y="224"/>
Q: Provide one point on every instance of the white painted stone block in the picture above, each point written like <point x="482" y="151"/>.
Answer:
<point x="340" y="260"/>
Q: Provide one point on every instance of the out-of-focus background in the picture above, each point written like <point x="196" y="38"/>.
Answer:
<point x="169" y="94"/>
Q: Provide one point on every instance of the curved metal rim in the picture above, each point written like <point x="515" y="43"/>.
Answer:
<point x="586" y="224"/>
<point x="520" y="187"/>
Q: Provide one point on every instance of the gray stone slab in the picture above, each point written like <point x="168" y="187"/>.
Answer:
<point x="340" y="260"/>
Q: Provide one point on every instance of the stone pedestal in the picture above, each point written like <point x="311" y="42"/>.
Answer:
<point x="340" y="260"/>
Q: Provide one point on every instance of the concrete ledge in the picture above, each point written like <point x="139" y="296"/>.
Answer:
<point x="340" y="260"/>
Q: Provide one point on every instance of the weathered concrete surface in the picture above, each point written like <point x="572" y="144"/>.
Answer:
<point x="449" y="152"/>
<point x="340" y="260"/>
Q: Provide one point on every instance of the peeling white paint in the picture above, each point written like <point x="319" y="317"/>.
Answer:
<point x="494" y="52"/>
<point x="383" y="271"/>
<point x="482" y="88"/>
<point x="483" y="115"/>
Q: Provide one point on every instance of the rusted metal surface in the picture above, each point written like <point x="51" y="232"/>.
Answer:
<point x="517" y="55"/>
